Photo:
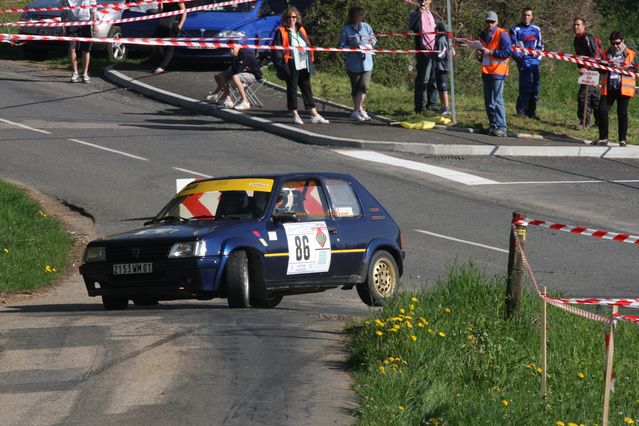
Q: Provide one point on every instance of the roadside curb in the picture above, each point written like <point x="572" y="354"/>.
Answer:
<point x="310" y="138"/>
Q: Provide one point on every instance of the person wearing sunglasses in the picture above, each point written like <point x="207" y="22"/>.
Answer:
<point x="494" y="57"/>
<point x="616" y="87"/>
<point x="295" y="66"/>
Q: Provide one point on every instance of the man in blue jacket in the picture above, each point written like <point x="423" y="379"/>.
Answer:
<point x="527" y="35"/>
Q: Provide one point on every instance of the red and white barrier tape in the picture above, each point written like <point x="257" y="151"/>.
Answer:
<point x="606" y="235"/>
<point x="629" y="318"/>
<point x="551" y="301"/>
<point x="112" y="6"/>
<point x="189" y="42"/>
<point x="627" y="303"/>
<point x="119" y="21"/>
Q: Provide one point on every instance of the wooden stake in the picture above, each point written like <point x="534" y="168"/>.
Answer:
<point x="544" y="346"/>
<point x="585" y="117"/>
<point x="515" y="273"/>
<point x="609" y="356"/>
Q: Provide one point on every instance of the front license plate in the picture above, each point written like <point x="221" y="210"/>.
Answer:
<point x="132" y="268"/>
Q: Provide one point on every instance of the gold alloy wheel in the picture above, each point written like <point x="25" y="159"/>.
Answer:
<point x="385" y="277"/>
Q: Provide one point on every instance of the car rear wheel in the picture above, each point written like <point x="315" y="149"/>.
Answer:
<point x="116" y="51"/>
<point x="237" y="280"/>
<point x="114" y="303"/>
<point x="382" y="280"/>
<point x="268" y="303"/>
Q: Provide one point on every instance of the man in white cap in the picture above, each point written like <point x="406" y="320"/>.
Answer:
<point x="494" y="56"/>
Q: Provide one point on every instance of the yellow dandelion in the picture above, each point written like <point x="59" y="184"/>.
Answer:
<point x="397" y="326"/>
<point x="505" y="402"/>
<point x="413" y="337"/>
<point x="42" y="213"/>
<point x="420" y="324"/>
<point x="471" y="338"/>
<point x="408" y="317"/>
<point x="411" y="307"/>
<point x="386" y="362"/>
<point x="629" y="420"/>
<point x="392" y="330"/>
<point x="409" y="324"/>
<point x="391" y="359"/>
<point x="404" y="362"/>
<point x="447" y="310"/>
<point x="441" y="334"/>
<point x="581" y="375"/>
<point x="414" y="299"/>
<point x="572" y="424"/>
<point x="539" y="370"/>
<point x="382" y="369"/>
<point x="496" y="388"/>
<point x="401" y="408"/>
<point x="379" y="332"/>
<point x="402" y="310"/>
<point x="560" y="423"/>
<point x="531" y="365"/>
<point x="430" y="331"/>
<point x="5" y="250"/>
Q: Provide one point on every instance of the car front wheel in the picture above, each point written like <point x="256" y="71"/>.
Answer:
<point x="382" y="280"/>
<point x="116" y="51"/>
<point x="237" y="280"/>
<point x="114" y="303"/>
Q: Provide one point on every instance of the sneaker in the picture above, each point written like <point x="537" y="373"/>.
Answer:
<point x="623" y="143"/>
<point x="228" y="103"/>
<point x="86" y="78"/>
<point x="446" y="111"/>
<point x="75" y="77"/>
<point x="603" y="142"/>
<point x="318" y="119"/>
<point x="357" y="116"/>
<point x="213" y="97"/>
<point x="297" y="119"/>
<point x="365" y="115"/>
<point x="501" y="133"/>
<point x="158" y="70"/>
<point x="492" y="131"/>
<point x="242" y="106"/>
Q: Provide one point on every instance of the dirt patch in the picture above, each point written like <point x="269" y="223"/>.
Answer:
<point x="80" y="227"/>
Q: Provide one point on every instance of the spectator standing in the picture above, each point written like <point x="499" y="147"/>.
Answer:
<point x="442" y="45"/>
<point x="295" y="66"/>
<point x="616" y="87"/>
<point x="169" y="26"/>
<point x="79" y="14"/>
<point x="527" y="35"/>
<point x="588" y="45"/>
<point x="358" y="34"/>
<point x="494" y="56"/>
<point x="423" y="21"/>
<point x="244" y="69"/>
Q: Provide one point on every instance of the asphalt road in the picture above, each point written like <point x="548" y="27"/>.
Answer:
<point x="116" y="155"/>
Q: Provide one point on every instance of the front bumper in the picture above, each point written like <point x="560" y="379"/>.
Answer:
<point x="170" y="279"/>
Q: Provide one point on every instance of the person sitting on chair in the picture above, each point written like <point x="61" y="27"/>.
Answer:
<point x="244" y="70"/>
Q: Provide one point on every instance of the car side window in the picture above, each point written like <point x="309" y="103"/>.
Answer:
<point x="305" y="198"/>
<point x="344" y="201"/>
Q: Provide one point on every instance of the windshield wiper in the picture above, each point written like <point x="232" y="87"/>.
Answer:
<point x="167" y="219"/>
<point x="202" y="216"/>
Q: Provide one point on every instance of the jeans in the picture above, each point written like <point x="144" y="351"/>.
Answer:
<point x="622" y="113"/>
<point x="528" y="91"/>
<point x="425" y="82"/>
<point x="494" y="102"/>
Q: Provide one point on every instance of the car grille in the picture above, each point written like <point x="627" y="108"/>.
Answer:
<point x="198" y="34"/>
<point x="136" y="254"/>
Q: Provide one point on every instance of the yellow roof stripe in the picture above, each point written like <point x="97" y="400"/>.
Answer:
<point x="244" y="184"/>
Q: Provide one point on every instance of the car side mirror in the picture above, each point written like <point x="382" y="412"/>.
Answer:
<point x="284" y="217"/>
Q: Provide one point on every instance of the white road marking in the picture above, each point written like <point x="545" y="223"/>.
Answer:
<point x="192" y="172"/>
<point x="445" y="237"/>
<point x="33" y="129"/>
<point x="115" y="151"/>
<point x="556" y="182"/>
<point x="454" y="175"/>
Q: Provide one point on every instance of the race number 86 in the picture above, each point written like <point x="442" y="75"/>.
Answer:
<point x="302" y="249"/>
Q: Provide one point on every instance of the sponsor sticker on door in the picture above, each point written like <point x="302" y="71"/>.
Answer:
<point x="309" y="248"/>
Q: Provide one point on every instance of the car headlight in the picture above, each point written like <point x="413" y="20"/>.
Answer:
<point x="95" y="254"/>
<point x="188" y="249"/>
<point x="231" y="34"/>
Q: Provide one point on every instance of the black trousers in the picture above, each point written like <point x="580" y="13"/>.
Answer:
<point x="301" y="79"/>
<point x="592" y="104"/>
<point x="167" y="28"/>
<point x="622" y="113"/>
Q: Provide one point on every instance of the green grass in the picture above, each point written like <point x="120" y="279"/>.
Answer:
<point x="34" y="249"/>
<point x="470" y="366"/>
<point x="557" y="105"/>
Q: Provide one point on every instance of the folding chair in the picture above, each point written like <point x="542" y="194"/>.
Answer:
<point x="251" y="92"/>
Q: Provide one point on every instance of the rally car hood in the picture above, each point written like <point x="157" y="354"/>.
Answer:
<point x="176" y="232"/>
<point x="217" y="20"/>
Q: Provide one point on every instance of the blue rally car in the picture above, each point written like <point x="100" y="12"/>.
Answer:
<point x="252" y="240"/>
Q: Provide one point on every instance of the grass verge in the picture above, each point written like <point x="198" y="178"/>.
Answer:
<point x="447" y="356"/>
<point x="34" y="248"/>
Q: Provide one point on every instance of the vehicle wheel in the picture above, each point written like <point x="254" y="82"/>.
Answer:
<point x="270" y="302"/>
<point x="114" y="303"/>
<point x="116" y="52"/>
<point x="144" y="301"/>
<point x="382" y="280"/>
<point x="33" y="54"/>
<point x="237" y="280"/>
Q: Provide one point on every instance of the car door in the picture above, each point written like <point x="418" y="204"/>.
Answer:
<point x="351" y="231"/>
<point x="299" y="248"/>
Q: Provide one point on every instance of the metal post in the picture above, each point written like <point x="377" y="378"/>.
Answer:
<point x="450" y="64"/>
<point x="514" y="286"/>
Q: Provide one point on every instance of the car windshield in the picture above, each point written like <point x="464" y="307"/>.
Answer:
<point x="241" y="198"/>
